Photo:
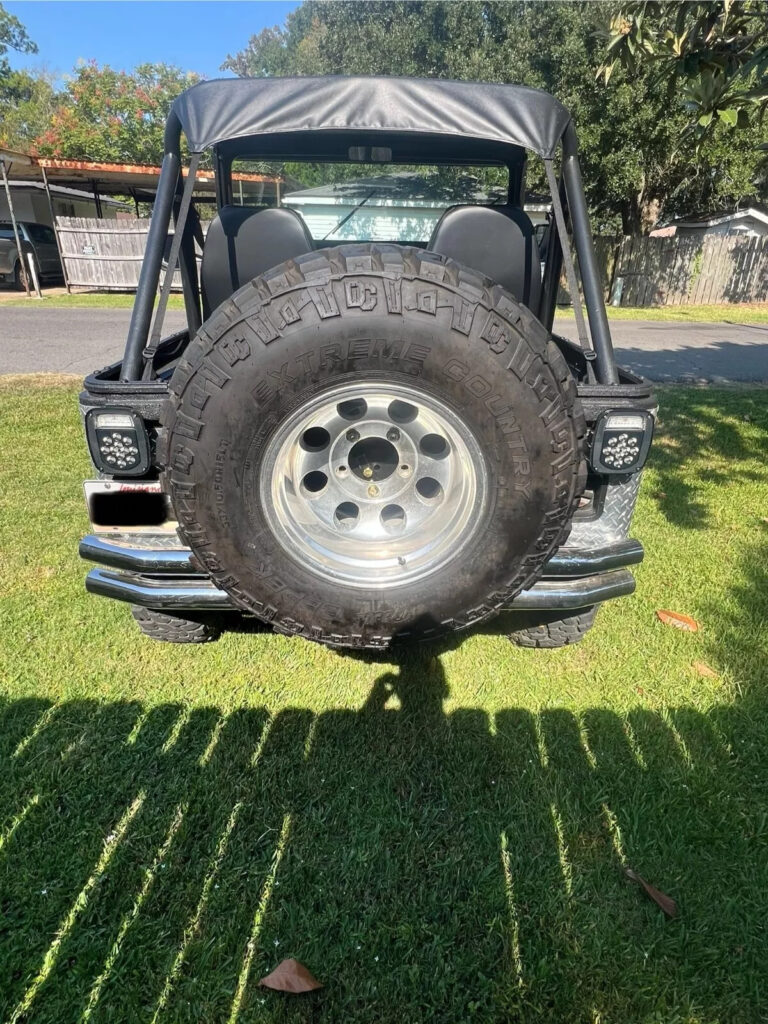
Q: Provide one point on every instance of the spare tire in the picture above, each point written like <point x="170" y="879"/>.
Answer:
<point x="372" y="441"/>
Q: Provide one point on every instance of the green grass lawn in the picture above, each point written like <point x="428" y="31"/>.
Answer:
<point x="723" y="312"/>
<point x="84" y="300"/>
<point x="739" y="313"/>
<point x="438" y="834"/>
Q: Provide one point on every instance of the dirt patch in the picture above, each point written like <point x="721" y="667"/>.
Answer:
<point x="11" y="381"/>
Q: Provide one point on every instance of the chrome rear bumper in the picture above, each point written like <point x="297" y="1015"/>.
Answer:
<point x="166" y="578"/>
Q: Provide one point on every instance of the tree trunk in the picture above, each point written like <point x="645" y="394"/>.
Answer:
<point x="639" y="215"/>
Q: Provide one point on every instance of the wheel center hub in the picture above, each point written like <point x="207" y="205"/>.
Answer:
<point x="373" y="459"/>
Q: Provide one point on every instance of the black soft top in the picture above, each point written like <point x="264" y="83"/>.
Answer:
<point x="225" y="108"/>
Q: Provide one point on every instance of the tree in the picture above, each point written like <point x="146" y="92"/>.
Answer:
<point x="713" y="54"/>
<point x="114" y="116"/>
<point x="13" y="36"/>
<point x="16" y="87"/>
<point x="634" y="167"/>
<point x="28" y="102"/>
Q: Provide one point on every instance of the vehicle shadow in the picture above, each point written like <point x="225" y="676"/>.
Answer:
<point x="426" y="864"/>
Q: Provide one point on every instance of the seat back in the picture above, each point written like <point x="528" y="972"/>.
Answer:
<point x="243" y="242"/>
<point x="497" y="241"/>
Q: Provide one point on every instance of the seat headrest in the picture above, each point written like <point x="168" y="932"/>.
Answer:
<point x="244" y="242"/>
<point x="497" y="241"/>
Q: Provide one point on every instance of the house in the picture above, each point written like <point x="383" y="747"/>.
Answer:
<point x="403" y="206"/>
<point x="750" y="222"/>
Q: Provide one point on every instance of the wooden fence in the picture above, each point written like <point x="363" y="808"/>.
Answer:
<point x="636" y="271"/>
<point x="106" y="254"/>
<point x="689" y="270"/>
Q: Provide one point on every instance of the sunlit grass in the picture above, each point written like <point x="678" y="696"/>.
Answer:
<point x="723" y="312"/>
<point x="81" y="300"/>
<point x="439" y="835"/>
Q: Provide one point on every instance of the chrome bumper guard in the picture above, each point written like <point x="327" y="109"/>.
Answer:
<point x="166" y="578"/>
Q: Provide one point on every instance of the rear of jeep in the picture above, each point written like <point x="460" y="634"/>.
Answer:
<point x="367" y="430"/>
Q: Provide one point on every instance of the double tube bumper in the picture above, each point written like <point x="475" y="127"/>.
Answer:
<point x="166" y="579"/>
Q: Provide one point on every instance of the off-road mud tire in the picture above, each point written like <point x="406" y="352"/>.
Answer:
<point x="174" y="629"/>
<point x="546" y="632"/>
<point x="400" y="316"/>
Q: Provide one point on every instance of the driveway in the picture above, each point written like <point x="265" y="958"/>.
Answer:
<point x="77" y="341"/>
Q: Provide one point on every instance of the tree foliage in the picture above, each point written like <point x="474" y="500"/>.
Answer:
<point x="117" y="116"/>
<point x="634" y="166"/>
<point x="18" y="89"/>
<point x="27" y="104"/>
<point x="713" y="54"/>
<point x="13" y="36"/>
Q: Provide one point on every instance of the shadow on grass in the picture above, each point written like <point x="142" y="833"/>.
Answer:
<point x="693" y="424"/>
<point x="426" y="866"/>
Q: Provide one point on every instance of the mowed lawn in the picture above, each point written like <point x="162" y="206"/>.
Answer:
<point x="722" y="312"/>
<point x="439" y="834"/>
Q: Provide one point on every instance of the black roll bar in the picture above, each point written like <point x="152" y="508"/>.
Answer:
<point x="605" y="362"/>
<point x="141" y="317"/>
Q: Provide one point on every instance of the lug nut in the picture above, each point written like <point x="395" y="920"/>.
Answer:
<point x="367" y="472"/>
<point x="393" y="434"/>
<point x="352" y="435"/>
<point x="373" y="491"/>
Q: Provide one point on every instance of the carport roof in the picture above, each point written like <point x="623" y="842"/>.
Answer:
<point x="119" y="179"/>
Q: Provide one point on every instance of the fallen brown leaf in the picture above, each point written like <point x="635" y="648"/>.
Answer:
<point x="661" y="495"/>
<point x="660" y="898"/>
<point x="290" y="976"/>
<point x="678" y="620"/>
<point x="704" y="670"/>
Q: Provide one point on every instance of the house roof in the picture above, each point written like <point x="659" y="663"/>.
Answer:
<point x="216" y="111"/>
<point x="708" y="220"/>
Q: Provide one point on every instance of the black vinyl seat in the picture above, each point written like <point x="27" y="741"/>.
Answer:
<point x="497" y="241"/>
<point x="245" y="241"/>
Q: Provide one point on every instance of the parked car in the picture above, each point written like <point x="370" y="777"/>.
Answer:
<point x="365" y="442"/>
<point x="38" y="239"/>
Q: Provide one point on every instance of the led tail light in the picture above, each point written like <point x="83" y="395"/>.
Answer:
<point x="621" y="441"/>
<point x="118" y="442"/>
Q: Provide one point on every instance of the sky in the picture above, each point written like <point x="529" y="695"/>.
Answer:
<point x="197" y="36"/>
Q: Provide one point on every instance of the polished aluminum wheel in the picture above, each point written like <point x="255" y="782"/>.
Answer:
<point x="373" y="485"/>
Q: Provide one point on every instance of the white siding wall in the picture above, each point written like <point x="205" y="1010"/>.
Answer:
<point x="33" y="206"/>
<point x="376" y="224"/>
<point x="748" y="227"/>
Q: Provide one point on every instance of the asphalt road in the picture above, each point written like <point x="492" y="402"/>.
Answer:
<point x="80" y="340"/>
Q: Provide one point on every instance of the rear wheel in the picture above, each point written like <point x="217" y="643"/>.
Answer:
<point x="20" y="275"/>
<point x="173" y="628"/>
<point x="370" y="442"/>
<point x="543" y="630"/>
